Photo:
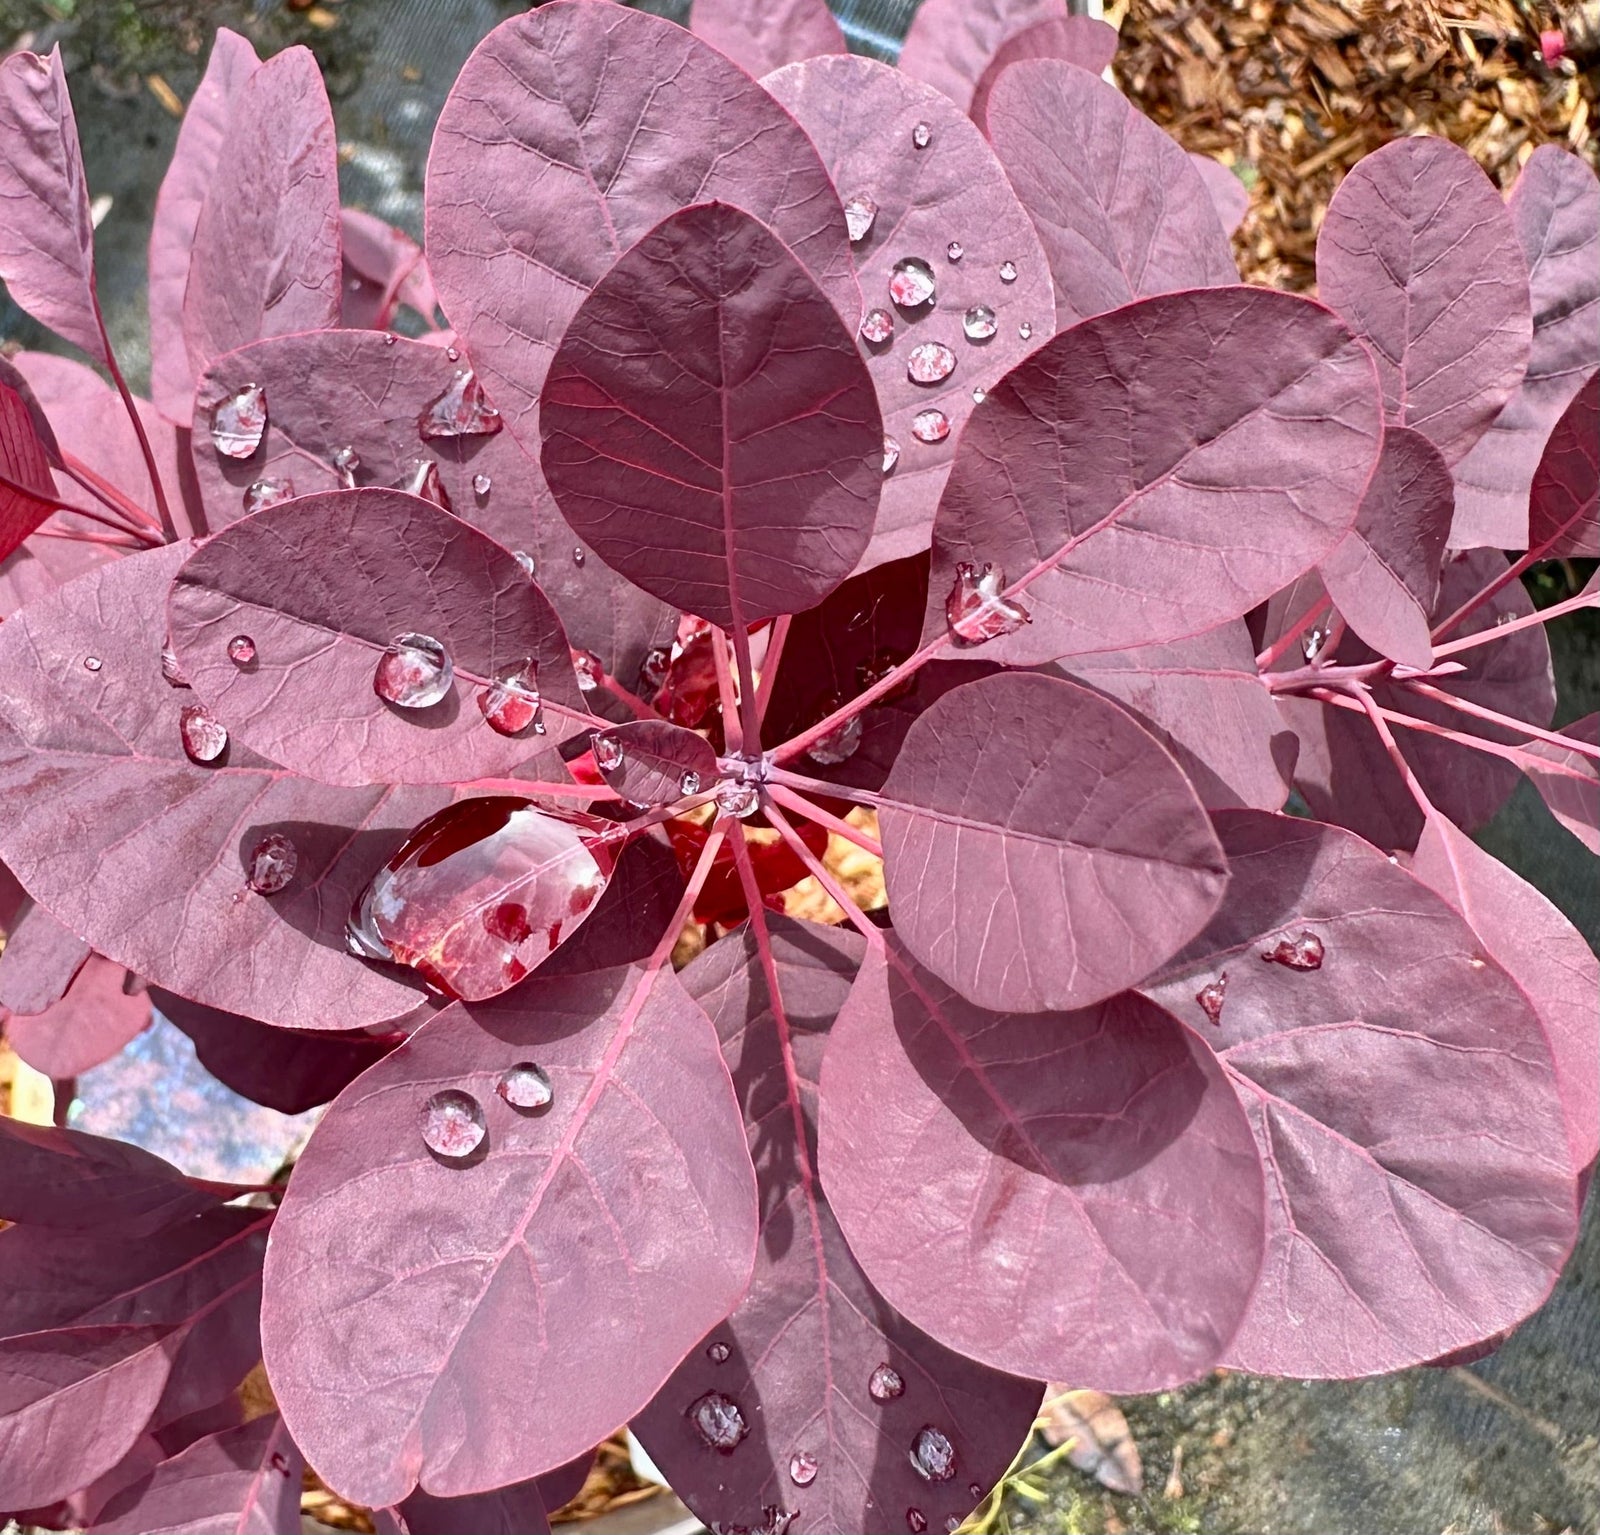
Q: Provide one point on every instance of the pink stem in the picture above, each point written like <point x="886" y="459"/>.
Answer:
<point x="799" y="781"/>
<point x="44" y="498"/>
<point x="83" y="536"/>
<point x="167" y="525"/>
<point x="528" y="788"/>
<point x="732" y="720"/>
<point x="1280" y="646"/>
<point x="107" y="494"/>
<point x="801" y="806"/>
<point x="841" y="897"/>
<point x="702" y="871"/>
<point x="636" y="705"/>
<point x="769" y="665"/>
<point x="1505" y="721"/>
<point x="1396" y="756"/>
<point x="885" y="684"/>
<point x="1527" y="621"/>
<point x="1477" y="599"/>
<point x="749" y="712"/>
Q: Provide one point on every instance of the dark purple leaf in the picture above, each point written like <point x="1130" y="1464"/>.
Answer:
<point x="90" y="1024"/>
<point x="1420" y="1192"/>
<point x="144" y="853"/>
<point x="763" y="35"/>
<point x="38" y="964"/>
<point x="950" y="196"/>
<point x="1555" y="210"/>
<point x="950" y="42"/>
<point x="570" y="133"/>
<point x="1132" y="525"/>
<point x="709" y="428"/>
<point x="1046" y="808"/>
<point x="1122" y="212"/>
<point x="26" y="492"/>
<point x="1563" y="519"/>
<point x="517" y="1510"/>
<point x="194" y="167"/>
<point x="632" y="914"/>
<point x="654" y="762"/>
<point x="1383" y="576"/>
<point x="383" y="268"/>
<point x="559" y="1487"/>
<point x="1080" y="40"/>
<point x="1418" y="254"/>
<point x="1090" y="1171"/>
<point x="1229" y="194"/>
<point x="799" y="1354"/>
<point x="1573" y="800"/>
<point x="623" y="1219"/>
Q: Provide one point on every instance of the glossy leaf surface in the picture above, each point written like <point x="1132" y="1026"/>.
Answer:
<point x="660" y="763"/>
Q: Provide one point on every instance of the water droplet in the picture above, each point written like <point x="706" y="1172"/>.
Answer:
<point x="1312" y="644"/>
<point x="1478" y="962"/>
<point x="975" y="1489"/>
<point x="590" y="672"/>
<point x="977" y="609"/>
<point x="271" y="864"/>
<point x="1008" y="271"/>
<point x="802" y="1468"/>
<point x="933" y="1457"/>
<point x="280" y="1462"/>
<point x="170" y="668"/>
<point x="979" y="394"/>
<point x="979" y="323"/>
<point x="239" y="422"/>
<point x="461" y="411"/>
<point x="527" y="1087"/>
<point x="859" y="212"/>
<point x="1025" y="330"/>
<point x="390" y="339"/>
<point x="877" y="326"/>
<point x="930" y="362"/>
<point x="718" y="1353"/>
<point x="267" y="491"/>
<point x="608" y="753"/>
<point x="690" y="782"/>
<point x="511" y="703"/>
<point x="241" y="650"/>
<point x="453" y="353"/>
<point x="92" y="663"/>
<point x="1304" y="951"/>
<point x="891" y="453"/>
<point x="885" y="1383"/>
<point x="952" y="1524"/>
<point x="930" y="426"/>
<point x="841" y="743"/>
<point x="204" y="739"/>
<point x="653" y="669"/>
<point x="415" y="672"/>
<point x="916" y="1521"/>
<point x="922" y="135"/>
<point x="452" y="1124"/>
<point x="347" y="462"/>
<point x="1210" y="997"/>
<point x="718" y="1421"/>
<point x="525" y="560"/>
<point x="481" y="484"/>
<point x="737" y="798"/>
<point x="955" y="250"/>
<point x="578" y="557"/>
<point x="420" y="477"/>
<point x="912" y="283"/>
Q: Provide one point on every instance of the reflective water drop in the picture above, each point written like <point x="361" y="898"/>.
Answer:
<point x="688" y="694"/>
<point x="589" y="670"/>
<point x="737" y="799"/>
<point x="974" y="1489"/>
<point x="420" y="477"/>
<point x="979" y="323"/>
<point x="241" y="650"/>
<point x="578" y="557"/>
<point x="452" y="1124"/>
<point x="859" y="212"/>
<point x="718" y="1421"/>
<point x="977" y="609"/>
<point x="955" y="250"/>
<point x="933" y="1457"/>
<point x="170" y="668"/>
<point x="481" y="484"/>
<point x="1211" y="996"/>
<point x="877" y="326"/>
<point x="1008" y="271"/>
<point x="916" y="1521"/>
<point x="390" y="338"/>
<point x="922" y="135"/>
<point x="511" y="703"/>
<point x="979" y="394"/>
<point x="885" y="1383"/>
<point x="204" y="738"/>
<point x="608" y="753"/>
<point x="891" y="453"/>
<point x="952" y="1524"/>
<point x="92" y="663"/>
<point x="453" y="353"/>
<point x="271" y="864"/>
<point x="524" y="559"/>
<point x="802" y="1468"/>
<point x="930" y="426"/>
<point x="1025" y="330"/>
<point x="526" y="1087"/>
<point x="239" y="422"/>
<point x="269" y="490"/>
<point x="930" y="362"/>
<point x="1304" y="951"/>
<point x="689" y="783"/>
<point x="841" y="743"/>
<point x="415" y="672"/>
<point x="912" y="283"/>
<point x="1312" y="644"/>
<point x="461" y="411"/>
<point x="717" y="1353"/>
<point x="347" y="462"/>
<point x="482" y="892"/>
<point x="653" y="669"/>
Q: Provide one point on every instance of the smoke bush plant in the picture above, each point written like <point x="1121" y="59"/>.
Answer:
<point x="861" y="438"/>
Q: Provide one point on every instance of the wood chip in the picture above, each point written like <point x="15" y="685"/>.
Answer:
<point x="1098" y="1433"/>
<point x="170" y="100"/>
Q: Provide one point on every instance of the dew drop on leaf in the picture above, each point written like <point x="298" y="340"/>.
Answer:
<point x="171" y="671"/>
<point x="877" y="326"/>
<point x="461" y="411"/>
<point x="608" y="753"/>
<point x="979" y="394"/>
<point x="92" y="663"/>
<point x="578" y="557"/>
<point x="239" y="422"/>
<point x="389" y="339"/>
<point x="272" y="864"/>
<point x="912" y="283"/>
<point x="718" y="1421"/>
<point x="930" y="362"/>
<point x="590" y="672"/>
<point x="453" y="353"/>
<point x="452" y="1124"/>
<point x="930" y="426"/>
<point x="481" y="484"/>
<point x="1008" y="271"/>
<point x="420" y="477"/>
<point x="841" y="743"/>
<point x="952" y="1524"/>
<point x="885" y="1383"/>
<point x="717" y="1353"/>
<point x="269" y="490"/>
<point x="859" y="212"/>
<point x="204" y="738"/>
<point x="802" y="1468"/>
<point x="979" y="323"/>
<point x="977" y="609"/>
<point x="737" y="799"/>
<point x="241" y="650"/>
<point x="916" y="1521"/>
<point x="525" y="560"/>
<point x="653" y="669"/>
<point x="955" y="250"/>
<point x="922" y="135"/>
<point x="526" y="1086"/>
<point x="1304" y="951"/>
<point x="1025" y="330"/>
<point x="891" y="453"/>
<point x="347" y="462"/>
<point x="1211" y="997"/>
<point x="511" y="703"/>
<point x="933" y="1457"/>
<point x="415" y="672"/>
<point x="690" y="782"/>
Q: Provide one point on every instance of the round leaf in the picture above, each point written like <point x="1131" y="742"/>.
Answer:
<point x="950" y="42"/>
<point x="760" y="35"/>
<point x="1080" y="40"/>
<point x="659" y="762"/>
<point x="1564" y="508"/>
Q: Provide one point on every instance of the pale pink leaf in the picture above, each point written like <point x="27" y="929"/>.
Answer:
<point x="763" y="35"/>
<point x="90" y="1024"/>
<point x="1080" y="40"/>
<point x="950" y="42"/>
<point x="1573" y="794"/>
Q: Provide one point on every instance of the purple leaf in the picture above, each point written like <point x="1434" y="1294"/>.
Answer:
<point x="26" y="493"/>
<point x="194" y="167"/>
<point x="1420" y="1194"/>
<point x="39" y="961"/>
<point x="1122" y="212"/>
<point x="799" y="1355"/>
<point x="639" y="901"/>
<point x="950" y="42"/>
<point x="1555" y="210"/>
<point x="243" y="1481"/>
<point x="1132" y="525"/>
<point x="763" y="35"/>
<point x="265" y="257"/>
<point x="951" y="196"/>
<point x="1383" y="576"/>
<point x="709" y="428"/>
<point x="1540" y="950"/>
<point x="368" y="567"/>
<point x="90" y="1024"/>
<point x="622" y="1217"/>
<point x="559" y="1487"/>
<point x="1045" y="807"/>
<point x="518" y="1510"/>
<point x="1229" y="195"/>
<point x="1563" y="515"/>
<point x="1090" y="1171"/>
<point x="654" y="762"/>
<point x="571" y="132"/>
<point x="383" y="268"/>
<point x="1418" y="254"/>
<point x="1080" y="40"/>
<point x="143" y="852"/>
<point x="1573" y="801"/>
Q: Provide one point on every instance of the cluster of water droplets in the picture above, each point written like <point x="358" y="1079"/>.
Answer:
<point x="454" y="1126"/>
<point x="1300" y="951"/>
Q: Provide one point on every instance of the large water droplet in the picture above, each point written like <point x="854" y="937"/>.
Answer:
<point x="885" y="1383"/>
<point x="891" y="453"/>
<point x="933" y="1457"/>
<point x="525" y="560"/>
<point x="608" y="753"/>
<point x="415" y="672"/>
<point x="718" y="1353"/>
<point x="930" y="426"/>
<point x="241" y="650"/>
<point x="979" y="323"/>
<point x="420" y="477"/>
<point x="511" y="703"/>
<point x="916" y="1521"/>
<point x="271" y="864"/>
<point x="979" y="394"/>
<point x="171" y="669"/>
<point x="92" y="663"/>
<point x="841" y="743"/>
<point x="737" y="798"/>
<point x="347" y="463"/>
<point x="527" y="1087"/>
<point x="930" y="362"/>
<point x="955" y="250"/>
<point x="1211" y="997"/>
<point x="977" y="609"/>
<point x="482" y="892"/>
<point x="590" y="672"/>
<point x="452" y="1124"/>
<point x="269" y="490"/>
<point x="1008" y="271"/>
<point x="239" y="422"/>
<point x="718" y="1421"/>
<point x="912" y="283"/>
<point x="204" y="738"/>
<point x="461" y="411"/>
<point x="877" y="326"/>
<point x="859" y="212"/>
<point x="802" y="1468"/>
<point x="1304" y="951"/>
<point x="690" y="782"/>
<point x="481" y="485"/>
<point x="922" y="135"/>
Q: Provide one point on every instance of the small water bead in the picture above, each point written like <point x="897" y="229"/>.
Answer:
<point x="654" y="668"/>
<point x="690" y="782"/>
<point x="1304" y="951"/>
<point x="802" y="1468"/>
<point x="916" y="1521"/>
<point x="92" y="663"/>
<point x="1025" y="330"/>
<point x="524" y="559"/>
<point x="977" y="609"/>
<point x="481" y="484"/>
<point x="171" y="670"/>
<point x="930" y="362"/>
<point x="891" y="453"/>
<point x="390" y="338"/>
<point x="420" y="477"/>
<point x="589" y="670"/>
<point x="979" y="394"/>
<point x="1211" y="997"/>
<point x="1008" y="271"/>
<point x="415" y="672"/>
<point x="930" y="426"/>
<point x="859" y="212"/>
<point x="511" y="703"/>
<point x="885" y="1383"/>
<point x="267" y="491"/>
<point x="239" y="422"/>
<point x="1312" y="644"/>
<point x="955" y="250"/>
<point x="974" y="1489"/>
<point x="737" y="799"/>
<point x="922" y="135"/>
<point x="952" y="1524"/>
<point x="718" y="1353"/>
<point x="452" y="1124"/>
<point x="841" y="743"/>
<point x="912" y="283"/>
<point x="241" y="650"/>
<point x="526" y="1086"/>
<point x="453" y="353"/>
<point x="461" y="411"/>
<point x="933" y="1457"/>
<point x="347" y="462"/>
<point x="877" y="326"/>
<point x="608" y="753"/>
<point x="204" y="738"/>
<point x="272" y="864"/>
<point x="718" y="1421"/>
<point x="979" y="323"/>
